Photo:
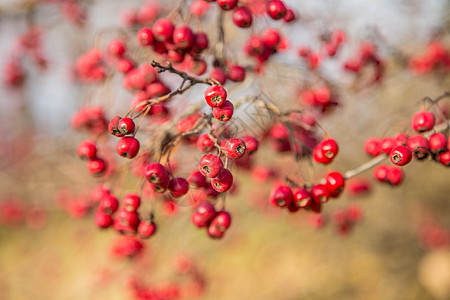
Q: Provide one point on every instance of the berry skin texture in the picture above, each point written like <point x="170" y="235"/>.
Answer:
<point x="204" y="143"/>
<point x="178" y="187"/>
<point x="210" y="165"/>
<point x="319" y="193"/>
<point x="128" y="147"/>
<point x="242" y="17"/>
<point x="146" y="229"/>
<point x="96" y="167"/>
<point x="145" y="37"/>
<point x="87" y="150"/>
<point x="419" y="146"/>
<point x="281" y="196"/>
<point x="163" y="30"/>
<point x="437" y="142"/>
<point x="126" y="126"/>
<point x="251" y="144"/>
<point x="235" y="148"/>
<point x="325" y="151"/>
<point x="223" y="181"/>
<point x="334" y="182"/>
<point x="302" y="198"/>
<point x="155" y="173"/>
<point x="276" y="9"/>
<point x="225" y="112"/>
<point x="131" y="202"/>
<point x="227" y="4"/>
<point x="400" y="155"/>
<point x="423" y="121"/>
<point x="215" y="95"/>
<point x="183" y="37"/>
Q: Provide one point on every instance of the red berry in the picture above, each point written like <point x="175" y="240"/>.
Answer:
<point x="131" y="202"/>
<point x="126" y="126"/>
<point x="155" y="172"/>
<point x="423" y="121"/>
<point x="163" y="30"/>
<point x="319" y="193"/>
<point x="224" y="112"/>
<point x="214" y="232"/>
<point x="162" y="185"/>
<point x="223" y="181"/>
<point x="276" y="9"/>
<point x="109" y="204"/>
<point x="438" y="142"/>
<point x="146" y="229"/>
<point x="124" y="65"/>
<point x="227" y="4"/>
<point x="183" y="37"/>
<point x="419" y="146"/>
<point x="210" y="165"/>
<point x="271" y="37"/>
<point x="236" y="73"/>
<point x="196" y="179"/>
<point x="380" y="173"/>
<point x="103" y="220"/>
<point x="215" y="95"/>
<point x="201" y="42"/>
<point x="394" y="175"/>
<point x="251" y="144"/>
<point x="302" y="197"/>
<point x="235" y="148"/>
<point x="401" y="139"/>
<point x="96" y="167"/>
<point x="281" y="196"/>
<point x="400" y="155"/>
<point x="127" y="218"/>
<point x="372" y="146"/>
<point x="203" y="214"/>
<point x="334" y="182"/>
<point x="444" y="158"/>
<point x="178" y="187"/>
<point x="128" y="147"/>
<point x="290" y="16"/>
<point x="242" y="17"/>
<point x="145" y="37"/>
<point x="219" y="75"/>
<point x="204" y="143"/>
<point x="221" y="221"/>
<point x="116" y="48"/>
<point x="387" y="144"/>
<point x="113" y="127"/>
<point x="87" y="150"/>
<point x="325" y="151"/>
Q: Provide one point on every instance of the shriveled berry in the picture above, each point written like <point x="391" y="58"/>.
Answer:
<point x="334" y="182"/>
<point x="126" y="126"/>
<point x="242" y="17"/>
<point x="128" y="147"/>
<point x="319" y="193"/>
<point x="223" y="181"/>
<point x="276" y="9"/>
<point x="423" y="121"/>
<point x="281" y="196"/>
<point x="131" y="202"/>
<point x="178" y="187"/>
<point x="419" y="146"/>
<point x="437" y="142"/>
<point x="400" y="155"/>
<point x="302" y="197"/>
<point x="87" y="150"/>
<point x="215" y="95"/>
<point x="235" y="148"/>
<point x="224" y="112"/>
<point x="210" y="165"/>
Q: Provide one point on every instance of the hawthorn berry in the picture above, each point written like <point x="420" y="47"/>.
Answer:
<point x="109" y="204"/>
<point x="276" y="9"/>
<point x="113" y="127"/>
<point x="236" y="73"/>
<point x="235" y="148"/>
<point x="183" y="37"/>
<point x="124" y="65"/>
<point x="215" y="95"/>
<point x="204" y="143"/>
<point x="251" y="144"/>
<point x="325" y="151"/>
<point x="444" y="158"/>
<point x="401" y="139"/>
<point x="394" y="175"/>
<point x="319" y="193"/>
<point x="302" y="197"/>
<point x="201" y="42"/>
<point x="130" y="219"/>
<point x="128" y="147"/>
<point x="178" y="187"/>
<point x="223" y="181"/>
<point x="224" y="112"/>
<point x="145" y="37"/>
<point x="116" y="48"/>
<point x="162" y="185"/>
<point x="334" y="182"/>
<point x="423" y="121"/>
<point x="387" y="144"/>
<point x="163" y="30"/>
<point x="400" y="155"/>
<point x="146" y="229"/>
<point x="372" y="146"/>
<point x="126" y="126"/>
<point x="227" y="4"/>
<point x="380" y="173"/>
<point x="242" y="17"/>
<point x="155" y="172"/>
<point x="214" y="232"/>
<point x="419" y="146"/>
<point x="131" y="202"/>
<point x="281" y="196"/>
<point x="103" y="220"/>
<point x="437" y="142"/>
<point x="196" y="179"/>
<point x="87" y="150"/>
<point x="210" y="165"/>
<point x="96" y="167"/>
<point x="203" y="214"/>
<point x="289" y="16"/>
<point x="219" y="75"/>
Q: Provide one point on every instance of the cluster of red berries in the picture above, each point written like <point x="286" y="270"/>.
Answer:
<point x="14" y="213"/>
<point x="263" y="47"/>
<point x="90" y="67"/>
<point x="91" y="119"/>
<point x="87" y="150"/>
<point x="435" y="57"/>
<point x="320" y="97"/>
<point x="145" y="14"/>
<point x="127" y="146"/>
<point x="367" y="54"/>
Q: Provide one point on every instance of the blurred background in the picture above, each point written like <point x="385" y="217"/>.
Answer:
<point x="397" y="247"/>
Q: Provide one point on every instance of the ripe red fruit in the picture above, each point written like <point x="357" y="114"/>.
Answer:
<point x="210" y="165"/>
<point x="290" y="16"/>
<point x="242" y="17"/>
<point x="178" y="187"/>
<point x="109" y="204"/>
<point x="236" y="73"/>
<point x="124" y="65"/>
<point x="437" y="142"/>
<point x="126" y="126"/>
<point x="129" y="219"/>
<point x="372" y="146"/>
<point x="87" y="150"/>
<point x="221" y="221"/>
<point x="219" y="75"/>
<point x="201" y="42"/>
<point x="128" y="147"/>
<point x="444" y="158"/>
<point x="319" y="193"/>
<point x="302" y="198"/>
<point x="113" y="127"/>
<point x="183" y="37"/>
<point x="116" y="48"/>
<point x="387" y="144"/>
<point x="223" y="181"/>
<point x="325" y="151"/>
<point x="419" y="146"/>
<point x="146" y="229"/>
<point x="204" y="143"/>
<point x="227" y="4"/>
<point x="196" y="179"/>
<point x="401" y="139"/>
<point x="276" y="9"/>
<point x="162" y="185"/>
<point x="271" y="37"/>
<point x="235" y="148"/>
<point x="394" y="175"/>
<point x="214" y="232"/>
<point x="103" y="220"/>
<point x="400" y="155"/>
<point x="196" y="66"/>
<point x="96" y="167"/>
<point x="145" y="37"/>
<point x="215" y="95"/>
<point x="251" y="144"/>
<point x="281" y="196"/>
<point x="423" y="121"/>
<point x="155" y="173"/>
<point x="163" y="30"/>
<point x="203" y="214"/>
<point x="131" y="202"/>
<point x="334" y="182"/>
<point x="224" y="112"/>
<point x="380" y="173"/>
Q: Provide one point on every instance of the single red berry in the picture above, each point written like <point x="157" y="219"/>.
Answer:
<point x="109" y="204"/>
<point x="128" y="218"/>
<point x="113" y="127"/>
<point x="419" y="146"/>
<point x="423" y="121"/>
<point x="215" y="95"/>
<point x="196" y="66"/>
<point x="146" y="229"/>
<point x="196" y="179"/>
<point x="224" y="112"/>
<point x="155" y="173"/>
<point x="394" y="175"/>
<point x="131" y="202"/>
<point x="219" y="75"/>
<point x="103" y="220"/>
<point x="227" y="4"/>
<point x="87" y="150"/>
<point x="251" y="144"/>
<point x="178" y="187"/>
<point x="203" y="214"/>
<point x="235" y="148"/>
<point x="302" y="197"/>
<point x="380" y="173"/>
<point x="223" y="181"/>
<point x="204" y="143"/>
<point x="438" y="142"/>
<point x="401" y="139"/>
<point x="242" y="17"/>
<point x="201" y="42"/>
<point x="221" y="221"/>
<point x="444" y="158"/>
<point x="183" y="37"/>
<point x="128" y="147"/>
<point x="319" y="193"/>
<point x="387" y="144"/>
<point x="99" y="192"/>
<point x="325" y="151"/>
<point x="214" y="232"/>
<point x="236" y="73"/>
<point x="163" y="30"/>
<point x="126" y="126"/>
<point x="145" y="37"/>
<point x="281" y="196"/>
<point x="96" y="167"/>
<point x="276" y="9"/>
<point x="116" y="48"/>
<point x="372" y="146"/>
<point x="334" y="182"/>
<point x="290" y="16"/>
<point x="271" y="37"/>
<point x="124" y="65"/>
<point x="210" y="165"/>
<point x="400" y="155"/>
